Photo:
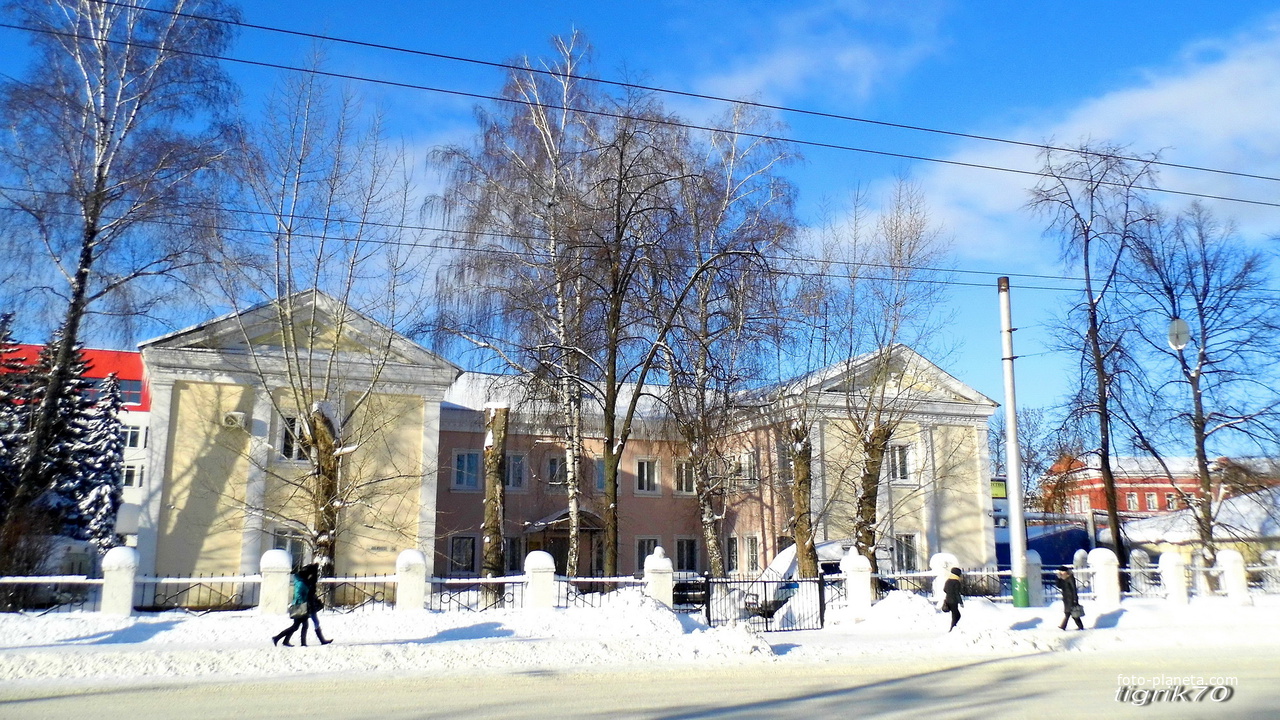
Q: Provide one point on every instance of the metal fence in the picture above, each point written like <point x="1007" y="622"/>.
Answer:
<point x="50" y="594"/>
<point x="591" y="592"/>
<point x="765" y="605"/>
<point x="200" y="594"/>
<point x="358" y="592"/>
<point x="475" y="594"/>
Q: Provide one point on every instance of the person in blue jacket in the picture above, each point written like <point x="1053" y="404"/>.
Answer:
<point x="303" y="606"/>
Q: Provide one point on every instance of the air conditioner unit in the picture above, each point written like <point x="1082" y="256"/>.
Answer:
<point x="233" y="420"/>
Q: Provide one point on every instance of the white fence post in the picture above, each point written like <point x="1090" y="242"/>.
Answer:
<point x="1105" y="569"/>
<point x="540" y="574"/>
<point x="658" y="581"/>
<point x="857" y="582"/>
<point x="1271" y="570"/>
<point x="1173" y="577"/>
<point x="1035" y="579"/>
<point x="119" y="573"/>
<point x="274" y="596"/>
<point x="941" y="564"/>
<point x="411" y="580"/>
<point x="1232" y="576"/>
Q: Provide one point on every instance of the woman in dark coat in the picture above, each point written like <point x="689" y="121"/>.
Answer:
<point x="1070" y="599"/>
<point x="304" y="595"/>
<point x="952" y="599"/>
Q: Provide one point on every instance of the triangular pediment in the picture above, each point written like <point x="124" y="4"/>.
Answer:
<point x="309" y="321"/>
<point x="899" y="369"/>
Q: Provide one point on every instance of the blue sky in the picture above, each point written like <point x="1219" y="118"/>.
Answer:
<point x="1199" y="81"/>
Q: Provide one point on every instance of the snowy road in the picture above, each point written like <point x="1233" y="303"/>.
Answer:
<point x="1046" y="685"/>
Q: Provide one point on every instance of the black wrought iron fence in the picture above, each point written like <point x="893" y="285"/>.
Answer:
<point x="475" y="594"/>
<point x="592" y="592"/>
<point x="56" y="594"/>
<point x="913" y="582"/>
<point x="357" y="593"/>
<point x="200" y="594"/>
<point x="766" y="605"/>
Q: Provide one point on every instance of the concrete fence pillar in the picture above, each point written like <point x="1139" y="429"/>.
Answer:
<point x="940" y="565"/>
<point x="119" y="573"/>
<point x="1035" y="579"/>
<point x="1232" y="576"/>
<point x="540" y="581"/>
<point x="276" y="592"/>
<point x="1173" y="577"/>
<point x="857" y="582"/>
<point x="411" y="580"/>
<point x="1079" y="560"/>
<point x="659" y="583"/>
<point x="1105" y="569"/>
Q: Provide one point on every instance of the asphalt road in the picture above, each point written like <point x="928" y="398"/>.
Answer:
<point x="1050" y="685"/>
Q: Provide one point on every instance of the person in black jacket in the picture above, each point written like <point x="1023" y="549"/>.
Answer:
<point x="1071" y="608"/>
<point x="951" y="597"/>
<point x="308" y="604"/>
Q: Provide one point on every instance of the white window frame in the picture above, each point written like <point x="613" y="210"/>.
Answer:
<point x="897" y="464"/>
<point x="746" y="470"/>
<point x="682" y="543"/>
<point x="133" y="474"/>
<point x="1152" y="502"/>
<point x="1131" y="501"/>
<point x="458" y="480"/>
<point x="290" y="541"/>
<point x="752" y="552"/>
<point x="516" y="476"/>
<point x="684" y="484"/>
<point x="291" y="449"/>
<point x="731" y="557"/>
<point x="648" y="482"/>
<point x="134" y="437"/>
<point x="644" y="548"/>
<point x="557" y="474"/>
<point x="1170" y="501"/>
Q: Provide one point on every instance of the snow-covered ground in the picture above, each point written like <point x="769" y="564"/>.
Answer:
<point x="79" y="647"/>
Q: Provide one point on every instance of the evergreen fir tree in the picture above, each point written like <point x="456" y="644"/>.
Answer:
<point x="62" y="474"/>
<point x="101" y="467"/>
<point x="14" y="389"/>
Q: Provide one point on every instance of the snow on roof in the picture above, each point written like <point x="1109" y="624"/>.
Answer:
<point x="1252" y="516"/>
<point x="473" y="390"/>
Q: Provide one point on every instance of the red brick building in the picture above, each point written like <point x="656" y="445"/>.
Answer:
<point x="1144" y="486"/>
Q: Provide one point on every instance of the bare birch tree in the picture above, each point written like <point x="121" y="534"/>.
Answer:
<point x="115" y="134"/>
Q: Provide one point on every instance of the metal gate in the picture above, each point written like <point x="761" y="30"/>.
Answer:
<point x="763" y="605"/>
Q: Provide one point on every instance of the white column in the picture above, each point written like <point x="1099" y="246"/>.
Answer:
<point x="157" y="476"/>
<point x="540" y="581"/>
<point x="119" y="573"/>
<point x="427" y="493"/>
<point x="1035" y="579"/>
<point x="1173" y="577"/>
<point x="658" y="581"/>
<point x="941" y="564"/>
<point x="258" y="428"/>
<point x="275" y="594"/>
<point x="1106" y="577"/>
<point x="857" y="582"/>
<point x="411" y="580"/>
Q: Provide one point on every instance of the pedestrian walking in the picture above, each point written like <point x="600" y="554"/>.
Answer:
<point x="303" y="606"/>
<point x="951" y="597"/>
<point x="1071" y="607"/>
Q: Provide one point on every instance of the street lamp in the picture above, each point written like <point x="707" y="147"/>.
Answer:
<point x="1179" y="334"/>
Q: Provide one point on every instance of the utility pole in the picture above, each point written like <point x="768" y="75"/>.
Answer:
<point x="1013" y="456"/>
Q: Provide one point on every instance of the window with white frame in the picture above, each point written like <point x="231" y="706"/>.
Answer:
<point x="746" y="473"/>
<point x="647" y="476"/>
<point x="293" y="444"/>
<point x="644" y="548"/>
<point x="1151" y="502"/>
<point x="896" y="466"/>
<point x="731" y="554"/>
<point x="684" y="478"/>
<point x="751" y="549"/>
<point x="514" y="552"/>
<point x="557" y="474"/>
<point x="514" y="479"/>
<point x="133" y="475"/>
<point x="133" y="436"/>
<point x="466" y="470"/>
<point x="1170" y="501"/>
<point x="462" y="555"/>
<point x="686" y="555"/>
<point x="292" y="542"/>
<point x="905" y="557"/>
<point x="1131" y="501"/>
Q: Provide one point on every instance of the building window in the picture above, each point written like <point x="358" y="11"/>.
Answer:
<point x="134" y="437"/>
<point x="599" y="463"/>
<point x="895" y="464"/>
<point x="686" y="555"/>
<point x="1131" y="501"/>
<point x="462" y="555"/>
<point x="684" y="478"/>
<point x="1151" y="502"/>
<point x="644" y="548"/>
<point x="515" y="472"/>
<point x="731" y="554"/>
<point x="905" y="558"/>
<point x="1170" y="501"/>
<point x="557" y="474"/>
<point x="745" y="471"/>
<point x="647" y="476"/>
<point x="752" y="544"/>
<point x="292" y="542"/>
<point x="131" y="392"/>
<point x="133" y="475"/>
<point x="293" y="444"/>
<point x="466" y="470"/>
<point x="514" y="555"/>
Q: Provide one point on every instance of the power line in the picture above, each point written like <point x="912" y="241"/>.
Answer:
<point x="657" y="121"/>
<point x="688" y="94"/>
